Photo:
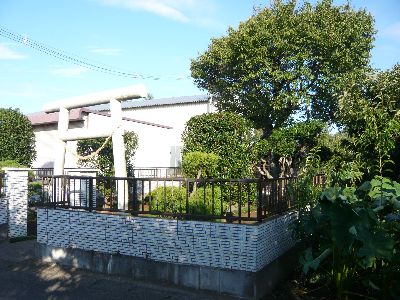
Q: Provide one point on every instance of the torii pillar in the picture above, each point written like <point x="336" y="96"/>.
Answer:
<point x="114" y="97"/>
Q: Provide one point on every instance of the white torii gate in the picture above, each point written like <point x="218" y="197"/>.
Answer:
<point x="114" y="97"/>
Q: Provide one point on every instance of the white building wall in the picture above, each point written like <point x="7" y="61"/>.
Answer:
<point x="174" y="116"/>
<point x="155" y="143"/>
<point x="45" y="138"/>
<point x="152" y="150"/>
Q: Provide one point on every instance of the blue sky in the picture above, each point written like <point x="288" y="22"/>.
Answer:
<point x="156" y="38"/>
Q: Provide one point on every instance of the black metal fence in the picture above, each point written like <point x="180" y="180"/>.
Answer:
<point x="146" y="172"/>
<point x="235" y="200"/>
<point x="155" y="172"/>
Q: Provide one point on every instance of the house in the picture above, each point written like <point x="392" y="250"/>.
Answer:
<point x="159" y="124"/>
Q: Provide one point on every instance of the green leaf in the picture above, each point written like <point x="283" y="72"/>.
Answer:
<point x="353" y="230"/>
<point x="376" y="245"/>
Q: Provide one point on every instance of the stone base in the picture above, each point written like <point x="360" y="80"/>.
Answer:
<point x="3" y="232"/>
<point x="243" y="284"/>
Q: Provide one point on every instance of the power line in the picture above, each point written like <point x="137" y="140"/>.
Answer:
<point x="76" y="60"/>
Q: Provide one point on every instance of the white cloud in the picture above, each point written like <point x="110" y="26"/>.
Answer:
<point x="106" y="51"/>
<point x="7" y="54"/>
<point x="70" y="72"/>
<point x="165" y="8"/>
<point x="392" y="31"/>
<point x="179" y="10"/>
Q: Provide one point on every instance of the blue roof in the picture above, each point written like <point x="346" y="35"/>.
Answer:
<point x="155" y="102"/>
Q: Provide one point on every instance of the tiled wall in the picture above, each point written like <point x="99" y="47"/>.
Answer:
<point x="229" y="246"/>
<point x="14" y="202"/>
<point x="3" y="209"/>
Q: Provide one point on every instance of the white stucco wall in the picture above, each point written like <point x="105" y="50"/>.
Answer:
<point x="174" y="116"/>
<point x="152" y="150"/>
<point x="154" y="142"/>
<point x="45" y="137"/>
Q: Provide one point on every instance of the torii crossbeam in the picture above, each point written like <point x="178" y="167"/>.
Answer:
<point x="114" y="97"/>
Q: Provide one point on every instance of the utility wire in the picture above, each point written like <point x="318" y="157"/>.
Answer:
<point x="74" y="59"/>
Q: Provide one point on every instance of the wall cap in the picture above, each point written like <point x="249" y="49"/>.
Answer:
<point x="7" y="169"/>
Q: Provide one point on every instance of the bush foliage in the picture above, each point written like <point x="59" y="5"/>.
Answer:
<point x="353" y="239"/>
<point x="225" y="134"/>
<point x="17" y="139"/>
<point x="200" y="165"/>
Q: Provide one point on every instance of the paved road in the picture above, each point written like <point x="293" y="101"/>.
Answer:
<point x="23" y="277"/>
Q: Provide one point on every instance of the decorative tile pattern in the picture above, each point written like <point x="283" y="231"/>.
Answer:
<point x="221" y="245"/>
<point x="14" y="202"/>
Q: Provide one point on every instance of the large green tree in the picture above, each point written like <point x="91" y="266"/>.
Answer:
<point x="370" y="113"/>
<point x="17" y="139"/>
<point x="285" y="59"/>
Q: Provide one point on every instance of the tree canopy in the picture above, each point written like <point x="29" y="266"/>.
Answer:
<point x="370" y="112"/>
<point x="286" y="59"/>
<point x="17" y="139"/>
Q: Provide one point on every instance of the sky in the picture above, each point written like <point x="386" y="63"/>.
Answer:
<point x="152" y="39"/>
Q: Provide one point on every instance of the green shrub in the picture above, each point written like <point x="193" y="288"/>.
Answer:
<point x="198" y="164"/>
<point x="34" y="193"/>
<point x="227" y="135"/>
<point x="207" y="201"/>
<point x="169" y="199"/>
<point x="352" y="239"/>
<point x="10" y="164"/>
<point x="17" y="139"/>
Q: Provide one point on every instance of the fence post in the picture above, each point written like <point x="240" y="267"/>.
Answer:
<point x="259" y="200"/>
<point x="135" y="202"/>
<point x="16" y="194"/>
<point x="90" y="193"/>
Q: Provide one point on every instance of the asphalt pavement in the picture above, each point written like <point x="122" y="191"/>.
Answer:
<point x="22" y="276"/>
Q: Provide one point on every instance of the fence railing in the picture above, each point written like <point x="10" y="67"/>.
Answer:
<point x="156" y="172"/>
<point x="146" y="172"/>
<point x="235" y="200"/>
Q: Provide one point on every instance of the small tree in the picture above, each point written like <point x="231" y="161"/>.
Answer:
<point x="17" y="139"/>
<point x="286" y="148"/>
<point x="227" y="135"/>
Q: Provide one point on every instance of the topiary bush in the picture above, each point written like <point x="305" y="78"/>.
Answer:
<point x="200" y="165"/>
<point x="169" y="199"/>
<point x="227" y="135"/>
<point x="10" y="164"/>
<point x="207" y="201"/>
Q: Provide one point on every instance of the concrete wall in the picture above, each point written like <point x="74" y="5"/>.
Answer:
<point x="218" y="245"/>
<point x="243" y="284"/>
<point x="14" y="202"/>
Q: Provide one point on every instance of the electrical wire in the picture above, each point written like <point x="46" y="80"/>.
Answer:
<point x="76" y="60"/>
